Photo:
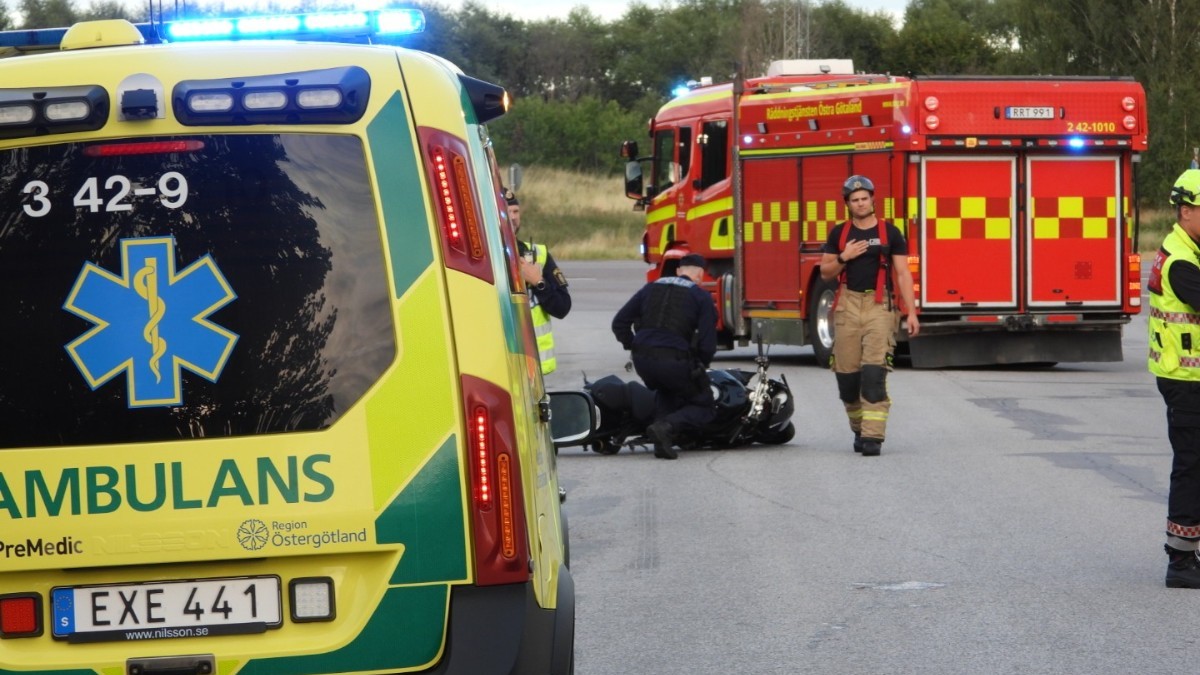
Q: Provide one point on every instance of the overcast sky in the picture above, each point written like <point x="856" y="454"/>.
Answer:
<point x="613" y="9"/>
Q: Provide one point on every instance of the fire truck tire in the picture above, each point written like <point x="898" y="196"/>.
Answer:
<point x="820" y="320"/>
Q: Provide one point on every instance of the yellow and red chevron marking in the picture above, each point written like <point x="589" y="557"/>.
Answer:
<point x="768" y="217"/>
<point x="820" y="218"/>
<point x="817" y="228"/>
<point x="968" y="218"/>
<point x="1074" y="217"/>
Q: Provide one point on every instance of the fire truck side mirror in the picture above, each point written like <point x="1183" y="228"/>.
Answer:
<point x="633" y="179"/>
<point x="629" y="150"/>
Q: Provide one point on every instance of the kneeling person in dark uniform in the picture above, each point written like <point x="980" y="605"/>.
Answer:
<point x="670" y="325"/>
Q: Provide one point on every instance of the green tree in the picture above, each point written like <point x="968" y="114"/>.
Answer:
<point x="841" y="32"/>
<point x="570" y="56"/>
<point x="946" y="37"/>
<point x="584" y="135"/>
<point x="491" y="47"/>
<point x="111" y="9"/>
<point x="47" y="13"/>
<point x="6" y="21"/>
<point x="1154" y="41"/>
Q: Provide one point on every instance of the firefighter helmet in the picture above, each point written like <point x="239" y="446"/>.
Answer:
<point x="856" y="183"/>
<point x="1186" y="189"/>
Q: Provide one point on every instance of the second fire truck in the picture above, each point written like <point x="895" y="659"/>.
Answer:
<point x="1016" y="196"/>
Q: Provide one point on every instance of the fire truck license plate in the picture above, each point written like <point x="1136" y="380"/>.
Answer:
<point x="166" y="609"/>
<point x="1021" y="112"/>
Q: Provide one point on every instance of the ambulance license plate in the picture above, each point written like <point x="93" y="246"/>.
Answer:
<point x="166" y="609"/>
<point x="1020" y="112"/>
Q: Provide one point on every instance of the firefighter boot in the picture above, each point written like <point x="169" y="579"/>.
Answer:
<point x="858" y="442"/>
<point x="1183" y="570"/>
<point x="871" y="447"/>
<point x="664" y="442"/>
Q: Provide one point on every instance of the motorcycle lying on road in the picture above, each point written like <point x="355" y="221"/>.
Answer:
<point x="751" y="408"/>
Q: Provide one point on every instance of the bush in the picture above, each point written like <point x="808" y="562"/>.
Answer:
<point x="580" y="216"/>
<point x="584" y="135"/>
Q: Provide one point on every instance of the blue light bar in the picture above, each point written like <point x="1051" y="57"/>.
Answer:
<point x="311" y="26"/>
<point x="316" y="26"/>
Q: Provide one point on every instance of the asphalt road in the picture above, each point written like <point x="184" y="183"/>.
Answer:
<point x="1013" y="524"/>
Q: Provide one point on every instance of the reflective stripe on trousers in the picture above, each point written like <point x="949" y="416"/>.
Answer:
<point x="864" y="334"/>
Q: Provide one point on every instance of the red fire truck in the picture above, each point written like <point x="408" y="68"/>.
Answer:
<point x="1016" y="195"/>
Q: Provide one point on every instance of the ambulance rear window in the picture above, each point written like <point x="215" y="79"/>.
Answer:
<point x="196" y="286"/>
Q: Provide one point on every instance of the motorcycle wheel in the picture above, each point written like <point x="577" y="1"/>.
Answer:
<point x="605" y="446"/>
<point x="778" y="436"/>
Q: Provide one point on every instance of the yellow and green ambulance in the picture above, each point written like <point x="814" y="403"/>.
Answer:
<point x="270" y="401"/>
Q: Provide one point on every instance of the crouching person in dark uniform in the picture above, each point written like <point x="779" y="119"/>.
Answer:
<point x="670" y="325"/>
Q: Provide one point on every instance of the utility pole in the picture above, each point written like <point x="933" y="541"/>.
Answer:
<point x="795" y="30"/>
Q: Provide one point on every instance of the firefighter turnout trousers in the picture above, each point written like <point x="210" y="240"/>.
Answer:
<point x="864" y="342"/>
<point x="1183" y="429"/>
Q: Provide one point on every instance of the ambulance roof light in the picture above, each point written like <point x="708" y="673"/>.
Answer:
<point x="339" y="25"/>
<point x="332" y="24"/>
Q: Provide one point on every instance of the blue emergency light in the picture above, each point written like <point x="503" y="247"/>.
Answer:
<point x="311" y="26"/>
<point x="374" y="22"/>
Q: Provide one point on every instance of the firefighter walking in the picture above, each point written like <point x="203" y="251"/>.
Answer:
<point x="1174" y="360"/>
<point x="869" y="259"/>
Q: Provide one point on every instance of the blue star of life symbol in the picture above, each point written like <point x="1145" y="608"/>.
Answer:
<point x="151" y="322"/>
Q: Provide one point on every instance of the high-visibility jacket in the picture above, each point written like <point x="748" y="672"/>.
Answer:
<point x="1173" y="324"/>
<point x="541" y="319"/>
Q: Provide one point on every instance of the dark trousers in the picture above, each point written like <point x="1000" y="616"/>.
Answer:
<point x="1183" y="428"/>
<point x="682" y="394"/>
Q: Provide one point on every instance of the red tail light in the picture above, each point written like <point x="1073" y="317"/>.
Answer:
<point x="1134" y="281"/>
<point x="20" y="615"/>
<point x="464" y="245"/>
<point x="497" y="499"/>
<point x="914" y="268"/>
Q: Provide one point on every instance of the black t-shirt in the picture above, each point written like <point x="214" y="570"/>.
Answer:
<point x="863" y="271"/>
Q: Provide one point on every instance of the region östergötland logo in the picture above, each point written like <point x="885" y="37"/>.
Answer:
<point x="253" y="534"/>
<point x="151" y="322"/>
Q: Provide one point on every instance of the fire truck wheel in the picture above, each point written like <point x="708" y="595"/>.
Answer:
<point x="820" y="320"/>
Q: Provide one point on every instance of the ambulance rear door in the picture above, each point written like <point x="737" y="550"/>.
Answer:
<point x="1073" y="227"/>
<point x="968" y="232"/>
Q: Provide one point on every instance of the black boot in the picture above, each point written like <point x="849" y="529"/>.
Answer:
<point x="858" y="443"/>
<point x="1183" y="571"/>
<point x="871" y="447"/>
<point x="664" y="442"/>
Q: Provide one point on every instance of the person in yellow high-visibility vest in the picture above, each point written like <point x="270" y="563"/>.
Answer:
<point x="548" y="294"/>
<point x="1174" y="360"/>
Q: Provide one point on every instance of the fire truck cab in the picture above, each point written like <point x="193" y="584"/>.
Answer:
<point x="1015" y="194"/>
